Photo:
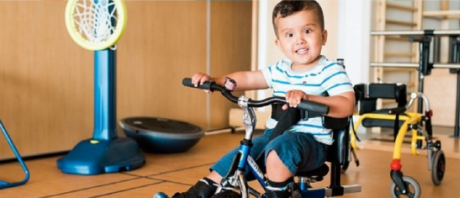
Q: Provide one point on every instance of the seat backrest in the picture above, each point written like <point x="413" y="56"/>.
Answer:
<point x="368" y="98"/>
<point x="338" y="151"/>
<point x="394" y="91"/>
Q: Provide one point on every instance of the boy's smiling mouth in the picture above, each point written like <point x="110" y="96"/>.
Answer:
<point x="301" y="51"/>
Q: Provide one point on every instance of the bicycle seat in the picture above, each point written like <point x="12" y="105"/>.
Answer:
<point x="318" y="174"/>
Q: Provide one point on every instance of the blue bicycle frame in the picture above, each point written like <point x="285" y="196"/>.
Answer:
<point x="244" y="159"/>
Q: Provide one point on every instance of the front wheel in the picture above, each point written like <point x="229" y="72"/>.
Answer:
<point x="438" y="167"/>
<point x="413" y="189"/>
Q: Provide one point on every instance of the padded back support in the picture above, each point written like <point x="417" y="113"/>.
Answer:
<point x="389" y="91"/>
<point x="338" y="152"/>
<point x="368" y="103"/>
<point x="335" y="123"/>
<point x="360" y="91"/>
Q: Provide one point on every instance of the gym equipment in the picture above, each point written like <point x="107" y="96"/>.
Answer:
<point x="424" y="37"/>
<point x="436" y="158"/>
<point x="402" y="122"/>
<point x="100" y="24"/>
<point x="235" y="179"/>
<point x="6" y="184"/>
<point x="89" y="22"/>
<point x="161" y="135"/>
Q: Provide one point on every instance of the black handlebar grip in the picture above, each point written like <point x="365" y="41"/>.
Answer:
<point x="314" y="107"/>
<point x="188" y="82"/>
<point x="397" y="110"/>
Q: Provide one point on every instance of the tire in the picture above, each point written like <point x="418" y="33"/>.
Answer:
<point x="438" y="167"/>
<point x="413" y="188"/>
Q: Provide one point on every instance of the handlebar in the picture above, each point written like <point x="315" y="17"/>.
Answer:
<point x="212" y="86"/>
<point x="416" y="95"/>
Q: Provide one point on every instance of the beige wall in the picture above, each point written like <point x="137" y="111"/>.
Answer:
<point x="46" y="80"/>
<point x="230" y="50"/>
<point x="330" y="10"/>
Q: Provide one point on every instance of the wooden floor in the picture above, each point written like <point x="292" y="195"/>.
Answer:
<point x="177" y="172"/>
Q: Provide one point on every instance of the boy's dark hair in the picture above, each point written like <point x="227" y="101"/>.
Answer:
<point x="288" y="7"/>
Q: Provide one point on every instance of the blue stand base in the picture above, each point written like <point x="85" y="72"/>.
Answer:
<point x="91" y="157"/>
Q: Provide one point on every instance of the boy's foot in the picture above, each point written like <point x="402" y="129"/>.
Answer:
<point x="227" y="194"/>
<point x="204" y="188"/>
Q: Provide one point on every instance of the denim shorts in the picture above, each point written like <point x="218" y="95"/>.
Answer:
<point x="299" y="152"/>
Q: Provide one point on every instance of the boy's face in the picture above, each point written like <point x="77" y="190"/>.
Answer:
<point x="300" y="38"/>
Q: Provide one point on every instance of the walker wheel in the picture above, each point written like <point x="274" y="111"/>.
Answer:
<point x="413" y="189"/>
<point x="438" y="167"/>
<point x="160" y="195"/>
<point x="437" y="144"/>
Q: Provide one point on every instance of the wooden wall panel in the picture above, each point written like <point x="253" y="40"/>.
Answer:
<point x="45" y="79"/>
<point x="165" y="41"/>
<point x="230" y="49"/>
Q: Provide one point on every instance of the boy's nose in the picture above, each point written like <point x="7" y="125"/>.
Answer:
<point x="300" y="41"/>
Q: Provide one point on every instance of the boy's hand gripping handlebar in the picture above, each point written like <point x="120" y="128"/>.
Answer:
<point x="212" y="86"/>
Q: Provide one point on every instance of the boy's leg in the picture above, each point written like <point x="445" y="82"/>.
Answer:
<point x="288" y="154"/>
<point x="207" y="186"/>
<point x="277" y="171"/>
<point x="279" y="177"/>
<point x="258" y="144"/>
<point x="298" y="152"/>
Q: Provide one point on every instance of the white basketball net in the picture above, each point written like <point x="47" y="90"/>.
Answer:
<point x="95" y="19"/>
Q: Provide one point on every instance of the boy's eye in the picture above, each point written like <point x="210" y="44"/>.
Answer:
<point x="307" y="31"/>
<point x="289" y="35"/>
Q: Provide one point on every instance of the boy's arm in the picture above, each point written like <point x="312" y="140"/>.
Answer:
<point x="340" y="106"/>
<point x="245" y="80"/>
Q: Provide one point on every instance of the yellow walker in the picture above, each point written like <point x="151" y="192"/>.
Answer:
<point x="402" y="122"/>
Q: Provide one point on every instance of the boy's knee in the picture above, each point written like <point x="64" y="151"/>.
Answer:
<point x="272" y="157"/>
<point x="277" y="170"/>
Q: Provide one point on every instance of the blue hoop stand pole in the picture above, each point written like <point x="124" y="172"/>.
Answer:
<point x="8" y="184"/>
<point x="105" y="152"/>
<point x="105" y="95"/>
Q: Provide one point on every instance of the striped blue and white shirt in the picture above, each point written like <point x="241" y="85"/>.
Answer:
<point x="327" y="76"/>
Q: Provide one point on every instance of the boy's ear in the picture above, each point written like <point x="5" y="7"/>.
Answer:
<point x="277" y="43"/>
<point x="324" y="37"/>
